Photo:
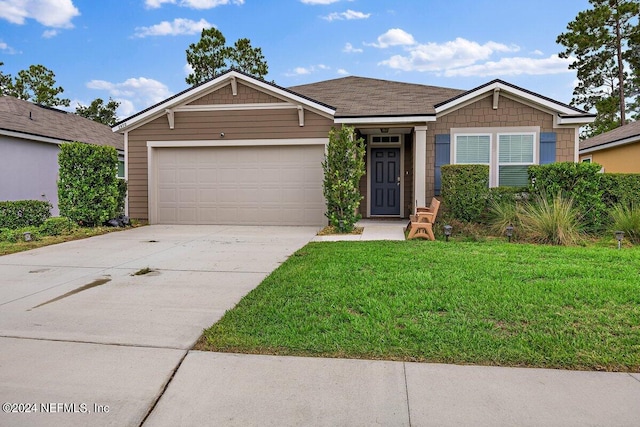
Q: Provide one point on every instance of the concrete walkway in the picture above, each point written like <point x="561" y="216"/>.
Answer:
<point x="248" y="390"/>
<point x="116" y="352"/>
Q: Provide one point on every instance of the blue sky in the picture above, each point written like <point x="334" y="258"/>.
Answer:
<point x="134" y="50"/>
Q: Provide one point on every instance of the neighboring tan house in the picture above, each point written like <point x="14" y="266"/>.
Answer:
<point x="617" y="151"/>
<point x="30" y="136"/>
<point x="240" y="150"/>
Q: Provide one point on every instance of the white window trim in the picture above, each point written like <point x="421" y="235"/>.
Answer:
<point x="585" y="158"/>
<point x="454" y="154"/>
<point x="536" y="153"/>
<point x="493" y="133"/>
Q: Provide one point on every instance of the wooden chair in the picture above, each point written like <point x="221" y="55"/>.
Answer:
<point x="421" y="225"/>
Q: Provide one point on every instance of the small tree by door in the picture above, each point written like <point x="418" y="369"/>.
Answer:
<point x="343" y="167"/>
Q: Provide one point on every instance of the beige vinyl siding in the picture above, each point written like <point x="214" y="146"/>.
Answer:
<point x="198" y="126"/>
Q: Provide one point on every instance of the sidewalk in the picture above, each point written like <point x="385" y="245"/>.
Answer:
<point x="388" y="229"/>
<point x="249" y="390"/>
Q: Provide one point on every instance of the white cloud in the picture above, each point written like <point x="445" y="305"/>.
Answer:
<point x="5" y="48"/>
<point x="126" y="108"/>
<point x="537" y="52"/>
<point x="394" y="37"/>
<point x="138" y="92"/>
<point x="348" y="15"/>
<point x="302" y="71"/>
<point x="314" y="2"/>
<point x="348" y="48"/>
<point x="47" y="34"/>
<point x="192" y="4"/>
<point x="342" y="72"/>
<point x="188" y="69"/>
<point x="515" y="66"/>
<point x="449" y="55"/>
<point x="50" y="13"/>
<point x="179" y="26"/>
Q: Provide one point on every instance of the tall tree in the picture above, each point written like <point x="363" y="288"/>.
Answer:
<point x="100" y="112"/>
<point x="37" y="84"/>
<point x="211" y="55"/>
<point x="599" y="40"/>
<point x="5" y="82"/>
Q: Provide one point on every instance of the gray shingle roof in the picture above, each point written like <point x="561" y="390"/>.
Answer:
<point x="366" y="97"/>
<point x="25" y="117"/>
<point x="630" y="130"/>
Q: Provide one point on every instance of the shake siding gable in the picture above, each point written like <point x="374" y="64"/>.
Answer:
<point x="246" y="95"/>
<point x="510" y="113"/>
<point x="208" y="125"/>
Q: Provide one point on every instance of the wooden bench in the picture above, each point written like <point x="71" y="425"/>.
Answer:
<point x="421" y="225"/>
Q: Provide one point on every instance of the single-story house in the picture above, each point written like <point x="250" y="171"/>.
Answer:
<point x="30" y="138"/>
<point x="617" y="150"/>
<point x="241" y="150"/>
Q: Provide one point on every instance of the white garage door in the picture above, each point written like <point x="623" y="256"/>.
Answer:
<point x="273" y="185"/>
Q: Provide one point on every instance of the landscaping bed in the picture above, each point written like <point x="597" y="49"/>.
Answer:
<point x="487" y="303"/>
<point x="9" y="247"/>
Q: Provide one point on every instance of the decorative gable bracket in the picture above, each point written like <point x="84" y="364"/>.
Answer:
<point x="170" y="117"/>
<point x="234" y="86"/>
<point x="300" y="115"/>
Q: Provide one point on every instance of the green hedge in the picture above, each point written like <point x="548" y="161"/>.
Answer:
<point x="122" y="195"/>
<point x="620" y="189"/>
<point x="23" y="213"/>
<point x="581" y="181"/>
<point x="465" y="189"/>
<point x="88" y="188"/>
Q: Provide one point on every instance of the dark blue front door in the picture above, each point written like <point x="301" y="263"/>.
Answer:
<point x="385" y="181"/>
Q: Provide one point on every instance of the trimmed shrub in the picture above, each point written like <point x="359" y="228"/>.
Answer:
<point x="343" y="167"/>
<point x="57" y="226"/>
<point x="627" y="219"/>
<point x="553" y="222"/>
<point x="465" y="189"/>
<point x="620" y="188"/>
<point x="23" y="213"/>
<point x="88" y="185"/>
<point x="580" y="181"/>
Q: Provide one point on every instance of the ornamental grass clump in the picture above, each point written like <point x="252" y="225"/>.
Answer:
<point x="555" y="222"/>
<point x="502" y="213"/>
<point x="627" y="219"/>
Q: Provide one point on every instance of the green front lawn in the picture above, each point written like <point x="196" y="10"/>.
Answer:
<point x="488" y="303"/>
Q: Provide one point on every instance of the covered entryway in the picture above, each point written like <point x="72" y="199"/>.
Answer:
<point x="247" y="185"/>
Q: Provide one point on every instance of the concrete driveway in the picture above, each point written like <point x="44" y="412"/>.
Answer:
<point x="86" y="341"/>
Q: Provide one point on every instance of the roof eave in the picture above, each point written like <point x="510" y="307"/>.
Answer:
<point x="611" y="144"/>
<point x="385" y="119"/>
<point x="583" y="119"/>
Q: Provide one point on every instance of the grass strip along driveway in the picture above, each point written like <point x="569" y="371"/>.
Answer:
<point x="488" y="303"/>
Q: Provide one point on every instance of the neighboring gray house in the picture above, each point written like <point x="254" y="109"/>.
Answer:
<point x="30" y="136"/>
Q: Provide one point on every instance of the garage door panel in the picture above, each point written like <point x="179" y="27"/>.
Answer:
<point x="275" y="185"/>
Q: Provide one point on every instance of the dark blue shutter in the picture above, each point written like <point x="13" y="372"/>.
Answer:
<point x="443" y="157"/>
<point x="547" y="147"/>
